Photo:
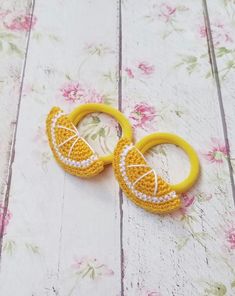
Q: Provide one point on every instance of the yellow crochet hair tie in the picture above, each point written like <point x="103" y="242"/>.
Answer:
<point x="141" y="183"/>
<point x="72" y="151"/>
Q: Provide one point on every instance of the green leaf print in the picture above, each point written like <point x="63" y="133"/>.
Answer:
<point x="9" y="246"/>
<point x="233" y="284"/>
<point x="102" y="132"/>
<point x="33" y="248"/>
<point x="7" y="36"/>
<point x="158" y="151"/>
<point x="208" y="75"/>
<point x="215" y="289"/>
<point x="94" y="136"/>
<point x="110" y="76"/>
<point x="227" y="2"/>
<point x="203" y="197"/>
<point x="95" y="120"/>
<point x="182" y="242"/>
<point x="68" y="77"/>
<point x="108" y="99"/>
<point x="14" y="49"/>
<point x="179" y="113"/>
<point x="191" y="63"/>
<point x="231" y="64"/>
<point x="221" y="51"/>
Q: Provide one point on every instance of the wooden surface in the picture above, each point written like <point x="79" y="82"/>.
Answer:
<point x="169" y="66"/>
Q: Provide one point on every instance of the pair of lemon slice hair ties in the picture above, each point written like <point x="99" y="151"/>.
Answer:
<point x="137" y="179"/>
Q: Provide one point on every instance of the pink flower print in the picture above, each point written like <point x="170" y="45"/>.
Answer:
<point x="218" y="152"/>
<point x="153" y="294"/>
<point x="4" y="13"/>
<point x="230" y="238"/>
<point x="146" y="69"/>
<point x="203" y="31"/>
<point x="129" y="72"/>
<point x="92" y="96"/>
<point x="187" y="200"/>
<point x="4" y="221"/>
<point x="142" y="115"/>
<point x="139" y="69"/>
<point x="167" y="12"/>
<point x="72" y="92"/>
<point x="91" y="267"/>
<point x="19" y="23"/>
<point x="219" y="34"/>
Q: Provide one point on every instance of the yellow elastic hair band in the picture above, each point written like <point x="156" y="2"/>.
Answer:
<point x="138" y="180"/>
<point x="166" y="138"/>
<point x="80" y="112"/>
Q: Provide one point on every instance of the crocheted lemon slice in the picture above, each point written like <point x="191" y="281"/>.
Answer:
<point x="71" y="151"/>
<point x="140" y="182"/>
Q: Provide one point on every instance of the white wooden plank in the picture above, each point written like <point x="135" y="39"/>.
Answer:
<point x="167" y="88"/>
<point x="223" y="34"/>
<point x="14" y="27"/>
<point x="64" y="237"/>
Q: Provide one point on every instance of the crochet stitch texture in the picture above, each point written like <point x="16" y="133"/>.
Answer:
<point x="140" y="182"/>
<point x="70" y="150"/>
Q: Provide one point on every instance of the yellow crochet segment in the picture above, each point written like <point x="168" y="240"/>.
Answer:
<point x="78" y="113"/>
<point x="141" y="183"/>
<point x="70" y="150"/>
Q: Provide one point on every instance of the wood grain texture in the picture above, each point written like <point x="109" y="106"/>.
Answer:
<point x="166" y="64"/>
<point x="223" y="36"/>
<point x="65" y="236"/>
<point x="13" y="48"/>
<point x="62" y="225"/>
